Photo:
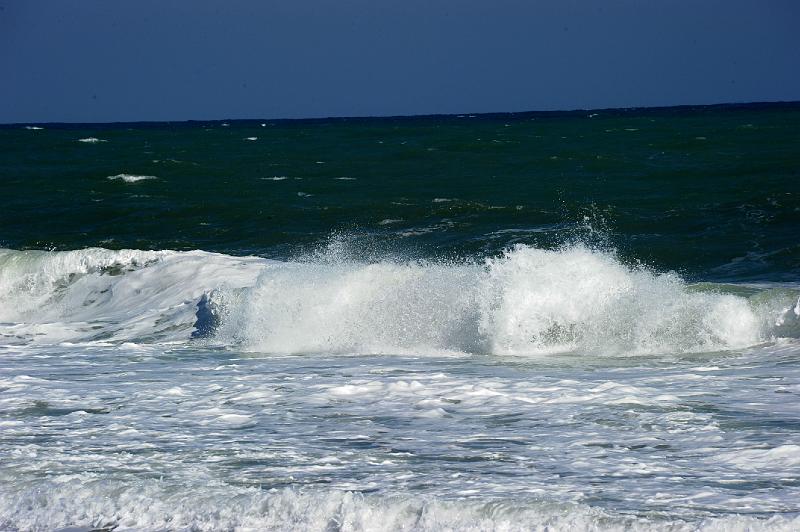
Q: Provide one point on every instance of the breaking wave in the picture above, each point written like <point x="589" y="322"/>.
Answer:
<point x="526" y="301"/>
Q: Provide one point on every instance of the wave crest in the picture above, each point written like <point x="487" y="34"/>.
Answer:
<point x="527" y="301"/>
<point x="551" y="301"/>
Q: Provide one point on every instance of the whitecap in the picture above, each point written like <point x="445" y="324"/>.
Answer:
<point x="91" y="140"/>
<point x="131" y="178"/>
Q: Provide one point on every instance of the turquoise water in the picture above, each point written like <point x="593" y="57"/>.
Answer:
<point x="584" y="320"/>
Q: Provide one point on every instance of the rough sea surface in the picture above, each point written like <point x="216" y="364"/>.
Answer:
<point x="541" y="321"/>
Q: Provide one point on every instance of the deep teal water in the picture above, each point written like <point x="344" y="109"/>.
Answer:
<point x="712" y="192"/>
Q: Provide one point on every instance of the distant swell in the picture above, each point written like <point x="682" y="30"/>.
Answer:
<point x="526" y="302"/>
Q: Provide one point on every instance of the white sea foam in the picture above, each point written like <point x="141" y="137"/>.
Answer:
<point x="781" y="458"/>
<point x="33" y="128"/>
<point x="131" y="178"/>
<point x="87" y="501"/>
<point x="576" y="298"/>
<point x="91" y="140"/>
<point x="251" y="138"/>
<point x="529" y="301"/>
<point x="526" y="302"/>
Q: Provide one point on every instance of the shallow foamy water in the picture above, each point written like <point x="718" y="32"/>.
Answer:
<point x="181" y="438"/>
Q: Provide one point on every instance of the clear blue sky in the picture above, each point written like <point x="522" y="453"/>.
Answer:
<point x="108" y="60"/>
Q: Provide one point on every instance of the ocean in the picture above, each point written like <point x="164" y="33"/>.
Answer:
<point x="582" y="320"/>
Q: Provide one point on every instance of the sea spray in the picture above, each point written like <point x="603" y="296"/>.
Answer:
<point x="527" y="301"/>
<point x="539" y="301"/>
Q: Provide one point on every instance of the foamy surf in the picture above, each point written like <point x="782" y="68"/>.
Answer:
<point x="527" y="301"/>
<point x="161" y="437"/>
<point x="202" y="391"/>
<point x="155" y="505"/>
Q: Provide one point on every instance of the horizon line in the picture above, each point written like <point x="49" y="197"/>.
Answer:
<point x="760" y="103"/>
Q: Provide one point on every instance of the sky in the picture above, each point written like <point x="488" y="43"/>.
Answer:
<point x="107" y="60"/>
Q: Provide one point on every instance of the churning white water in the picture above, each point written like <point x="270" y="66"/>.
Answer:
<point x="526" y="302"/>
<point x="540" y="389"/>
